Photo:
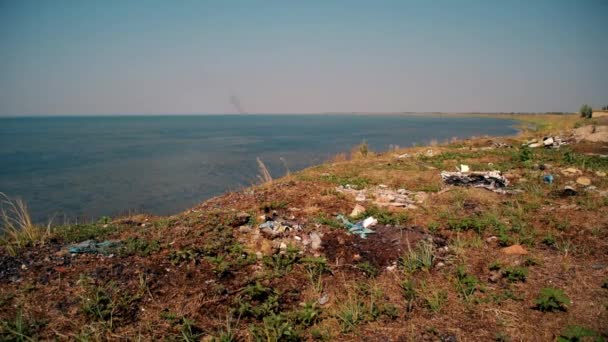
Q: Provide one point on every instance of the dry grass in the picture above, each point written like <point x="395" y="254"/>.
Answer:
<point x="17" y="227"/>
<point x="264" y="175"/>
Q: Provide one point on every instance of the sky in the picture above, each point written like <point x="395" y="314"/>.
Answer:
<point x="84" y="57"/>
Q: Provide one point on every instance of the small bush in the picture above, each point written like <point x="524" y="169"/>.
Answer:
<point x="135" y="246"/>
<point x="586" y="111"/>
<point x="552" y="299"/>
<point x="466" y="283"/>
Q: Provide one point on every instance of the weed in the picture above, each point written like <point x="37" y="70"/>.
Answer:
<point x="179" y="256"/>
<point x="418" y="258"/>
<point x="221" y="267"/>
<point x="135" y="246"/>
<point x="328" y="221"/>
<point x="575" y="333"/>
<point x="274" y="327"/>
<point x="273" y="205"/>
<point x="104" y="303"/>
<point x="307" y="315"/>
<point x="433" y="227"/>
<point x="264" y="175"/>
<point x="16" y="226"/>
<point x="435" y="299"/>
<point x="189" y="331"/>
<point x="466" y="284"/>
<point x="82" y="232"/>
<point x="549" y="240"/>
<point x="552" y="299"/>
<point x="495" y="266"/>
<point x="515" y="274"/>
<point x="525" y="154"/>
<point x="409" y="293"/>
<point x="351" y="314"/>
<point x="19" y="328"/>
<point x="282" y="263"/>
<point x="368" y="269"/>
<point x="315" y="267"/>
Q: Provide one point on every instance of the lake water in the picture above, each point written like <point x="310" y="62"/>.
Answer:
<point x="95" y="166"/>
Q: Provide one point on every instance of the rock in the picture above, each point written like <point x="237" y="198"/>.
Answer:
<point x="245" y="229"/>
<point x="391" y="268"/>
<point x="568" y="191"/>
<point x="514" y="250"/>
<point x="548" y="141"/>
<point x="297" y="238"/>
<point x="360" y="198"/>
<point x="495" y="276"/>
<point x="383" y="186"/>
<point x="571" y="172"/>
<point x="600" y="173"/>
<point x="315" y="241"/>
<point x="440" y="265"/>
<point x="241" y="219"/>
<point x="357" y="210"/>
<point x="491" y="239"/>
<point x="583" y="181"/>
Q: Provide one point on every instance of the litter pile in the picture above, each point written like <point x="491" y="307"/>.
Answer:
<point x="490" y="180"/>
<point x="383" y="196"/>
<point x="547" y="142"/>
<point x="360" y="228"/>
<point x="94" y="247"/>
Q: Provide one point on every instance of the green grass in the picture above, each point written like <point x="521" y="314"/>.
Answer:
<point x="552" y="299"/>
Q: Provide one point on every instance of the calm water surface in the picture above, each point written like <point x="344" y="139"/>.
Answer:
<point x="96" y="166"/>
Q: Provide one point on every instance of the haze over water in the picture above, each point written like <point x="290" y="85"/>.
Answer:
<point x="97" y="166"/>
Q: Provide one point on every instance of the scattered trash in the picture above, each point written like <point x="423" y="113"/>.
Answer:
<point x="464" y="168"/>
<point x="548" y="179"/>
<point x="357" y="210"/>
<point x="276" y="227"/>
<point x="514" y="250"/>
<point x="94" y="247"/>
<point x="548" y="142"/>
<point x="323" y="299"/>
<point x="383" y="196"/>
<point x="369" y="222"/>
<point x="360" y="228"/>
<point x="491" y="180"/>
<point x="583" y="181"/>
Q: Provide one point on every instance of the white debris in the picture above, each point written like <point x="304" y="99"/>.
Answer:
<point x="369" y="222"/>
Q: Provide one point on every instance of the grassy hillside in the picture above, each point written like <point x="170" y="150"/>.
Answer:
<point x="460" y="263"/>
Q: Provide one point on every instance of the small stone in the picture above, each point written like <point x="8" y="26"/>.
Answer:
<point x="357" y="210"/>
<point x="583" y="181"/>
<point x="571" y="171"/>
<point x="360" y="198"/>
<point x="391" y="268"/>
<point x="323" y="299"/>
<point x="383" y="186"/>
<point x="440" y="265"/>
<point x="297" y="238"/>
<point x="491" y="239"/>
<point x="283" y="245"/>
<point x="548" y="141"/>
<point x="600" y="173"/>
<point x="535" y="145"/>
<point x="514" y="250"/>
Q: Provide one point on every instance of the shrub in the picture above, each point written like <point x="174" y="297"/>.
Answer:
<point x="586" y="111"/>
<point x="16" y="227"/>
<point x="552" y="299"/>
<point x="575" y="333"/>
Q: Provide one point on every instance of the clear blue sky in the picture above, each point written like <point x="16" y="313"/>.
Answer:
<point x="120" y="57"/>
